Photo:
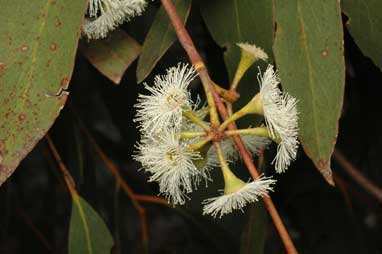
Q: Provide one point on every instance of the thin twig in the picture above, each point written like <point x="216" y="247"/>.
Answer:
<point x="35" y="230"/>
<point x="120" y="182"/>
<point x="357" y="175"/>
<point x="197" y="61"/>
<point x="151" y="199"/>
<point x="67" y="176"/>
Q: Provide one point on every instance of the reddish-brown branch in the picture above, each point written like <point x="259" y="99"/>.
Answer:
<point x="197" y="61"/>
<point x="151" y="199"/>
<point x="67" y="176"/>
<point x="357" y="175"/>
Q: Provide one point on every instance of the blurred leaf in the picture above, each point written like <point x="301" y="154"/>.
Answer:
<point x="159" y="38"/>
<point x="88" y="233"/>
<point x="233" y="21"/>
<point x="253" y="237"/>
<point x="38" y="43"/>
<point x="113" y="55"/>
<point x="310" y="57"/>
<point x="365" y="21"/>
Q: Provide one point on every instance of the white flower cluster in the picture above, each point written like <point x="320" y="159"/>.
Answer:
<point x="106" y="15"/>
<point x="167" y="112"/>
<point x="162" y="152"/>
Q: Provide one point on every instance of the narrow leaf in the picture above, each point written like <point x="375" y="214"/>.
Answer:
<point x="159" y="38"/>
<point x="365" y="21"/>
<point x="88" y="233"/>
<point x="38" y="43"/>
<point x="309" y="54"/>
<point x="113" y="55"/>
<point x="254" y="236"/>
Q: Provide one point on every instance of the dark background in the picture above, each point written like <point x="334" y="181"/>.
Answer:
<point x="35" y="205"/>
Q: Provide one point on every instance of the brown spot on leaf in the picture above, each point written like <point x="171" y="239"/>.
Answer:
<point x="324" y="53"/>
<point x="53" y="46"/>
<point x="22" y="117"/>
<point x="2" y="146"/>
<point x="2" y="150"/>
<point x="58" y="22"/>
<point x="2" y="67"/>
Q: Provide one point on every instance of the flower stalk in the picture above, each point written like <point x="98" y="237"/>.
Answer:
<point x="196" y="146"/>
<point x="192" y="134"/>
<point x="259" y="131"/>
<point x="195" y="119"/>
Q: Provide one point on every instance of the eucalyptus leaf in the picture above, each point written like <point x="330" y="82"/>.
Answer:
<point x="364" y="24"/>
<point x="159" y="38"/>
<point x="254" y="234"/>
<point x="309" y="55"/>
<point x="88" y="233"/>
<point x="113" y="55"/>
<point x="38" y="42"/>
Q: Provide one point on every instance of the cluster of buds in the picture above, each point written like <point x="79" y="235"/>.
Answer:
<point x="179" y="147"/>
<point x="106" y="15"/>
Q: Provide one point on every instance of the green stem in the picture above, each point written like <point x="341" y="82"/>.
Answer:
<point x="192" y="134"/>
<point x="253" y="107"/>
<point x="260" y="131"/>
<point x="207" y="83"/>
<point x="196" y="146"/>
<point x="195" y="119"/>
<point x="244" y="64"/>
<point x="232" y="183"/>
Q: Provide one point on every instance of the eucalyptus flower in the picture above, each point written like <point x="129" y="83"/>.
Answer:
<point x="238" y="194"/>
<point x="168" y="99"/>
<point x="281" y="117"/>
<point x="106" y="15"/>
<point x="252" y="51"/>
<point x="169" y="161"/>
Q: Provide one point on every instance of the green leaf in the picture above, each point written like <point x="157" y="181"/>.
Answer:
<point x="113" y="55"/>
<point x="38" y="43"/>
<point x="159" y="38"/>
<point x="364" y="24"/>
<point x="88" y="233"/>
<point x="254" y="235"/>
<point x="310" y="57"/>
<point x="233" y="21"/>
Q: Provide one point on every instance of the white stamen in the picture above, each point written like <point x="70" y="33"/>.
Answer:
<point x="281" y="117"/>
<point x="251" y="192"/>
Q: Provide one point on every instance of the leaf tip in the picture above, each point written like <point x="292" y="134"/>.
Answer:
<point x="324" y="168"/>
